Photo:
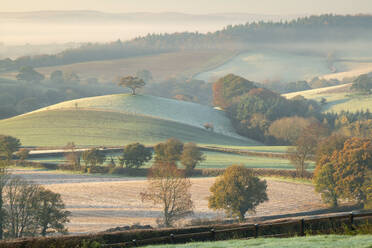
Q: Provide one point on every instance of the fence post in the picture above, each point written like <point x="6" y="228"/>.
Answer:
<point x="256" y="231"/>
<point x="213" y="232"/>
<point x="172" y="238"/>
<point x="135" y="242"/>
<point x="351" y="218"/>
<point x="302" y="227"/>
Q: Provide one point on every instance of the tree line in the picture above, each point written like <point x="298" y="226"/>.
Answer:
<point x="304" y="29"/>
<point x="33" y="90"/>
<point x="264" y="115"/>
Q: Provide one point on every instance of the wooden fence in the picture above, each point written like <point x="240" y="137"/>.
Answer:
<point x="275" y="229"/>
<point x="136" y="238"/>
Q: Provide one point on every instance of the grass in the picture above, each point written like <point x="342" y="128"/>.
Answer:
<point x="337" y="101"/>
<point x="162" y="108"/>
<point x="223" y="160"/>
<point x="267" y="149"/>
<point x="120" y="120"/>
<point x="266" y="65"/>
<point x="102" y="128"/>
<point x="323" y="241"/>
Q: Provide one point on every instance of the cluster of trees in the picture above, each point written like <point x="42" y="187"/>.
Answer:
<point x="350" y="124"/>
<point x="136" y="155"/>
<point x="344" y="170"/>
<point x="33" y="90"/>
<point x="315" y="83"/>
<point x="305" y="29"/>
<point x="26" y="209"/>
<point x="173" y="151"/>
<point x="190" y="90"/>
<point x="254" y="110"/>
<point x="363" y="84"/>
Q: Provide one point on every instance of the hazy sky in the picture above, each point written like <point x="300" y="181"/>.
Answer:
<point x="196" y="6"/>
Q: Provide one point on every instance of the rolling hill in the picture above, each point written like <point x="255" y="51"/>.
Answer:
<point x="338" y="98"/>
<point x="122" y="119"/>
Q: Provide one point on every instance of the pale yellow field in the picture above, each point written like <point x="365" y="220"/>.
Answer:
<point x="162" y="66"/>
<point x="98" y="203"/>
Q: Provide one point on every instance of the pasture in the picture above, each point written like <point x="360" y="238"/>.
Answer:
<point x="272" y="65"/>
<point x="266" y="65"/>
<point x="103" y="128"/>
<point x="338" y="98"/>
<point x="101" y="202"/>
<point x="322" y="241"/>
<point x="156" y="107"/>
<point x="162" y="66"/>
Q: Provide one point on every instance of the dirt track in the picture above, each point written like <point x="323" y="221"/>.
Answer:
<point x="99" y="203"/>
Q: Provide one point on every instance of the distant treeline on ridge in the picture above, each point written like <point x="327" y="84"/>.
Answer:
<point x="330" y="28"/>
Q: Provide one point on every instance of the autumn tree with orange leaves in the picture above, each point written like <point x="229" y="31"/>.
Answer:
<point x="346" y="173"/>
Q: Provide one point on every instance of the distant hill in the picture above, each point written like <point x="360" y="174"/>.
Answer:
<point x="313" y="29"/>
<point x="122" y="119"/>
<point x="338" y="98"/>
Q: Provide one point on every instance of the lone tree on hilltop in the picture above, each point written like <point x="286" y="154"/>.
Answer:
<point x="135" y="155"/>
<point x="132" y="83"/>
<point x="237" y="191"/>
<point x="170" y="189"/>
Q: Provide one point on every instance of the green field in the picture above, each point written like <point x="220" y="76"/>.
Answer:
<point x="117" y="120"/>
<point x="157" y="107"/>
<point x="101" y="128"/>
<point x="324" y="241"/>
<point x="338" y="98"/>
<point x="223" y="160"/>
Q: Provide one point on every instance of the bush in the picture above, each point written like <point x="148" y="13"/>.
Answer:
<point x="140" y="172"/>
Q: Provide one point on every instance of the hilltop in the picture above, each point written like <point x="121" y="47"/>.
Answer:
<point x="122" y="119"/>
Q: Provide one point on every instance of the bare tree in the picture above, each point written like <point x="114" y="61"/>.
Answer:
<point x="21" y="207"/>
<point x="32" y="210"/>
<point x="169" y="188"/>
<point x="72" y="156"/>
<point x="4" y="177"/>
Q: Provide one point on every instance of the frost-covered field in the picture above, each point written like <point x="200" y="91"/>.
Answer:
<point x="101" y="202"/>
<point x="289" y="66"/>
<point x="156" y="107"/>
<point x="338" y="98"/>
<point x="261" y="66"/>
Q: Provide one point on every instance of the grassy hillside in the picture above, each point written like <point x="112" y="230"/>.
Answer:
<point x="84" y="127"/>
<point x="329" y="241"/>
<point x="156" y="107"/>
<point x="122" y="119"/>
<point x="338" y="98"/>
